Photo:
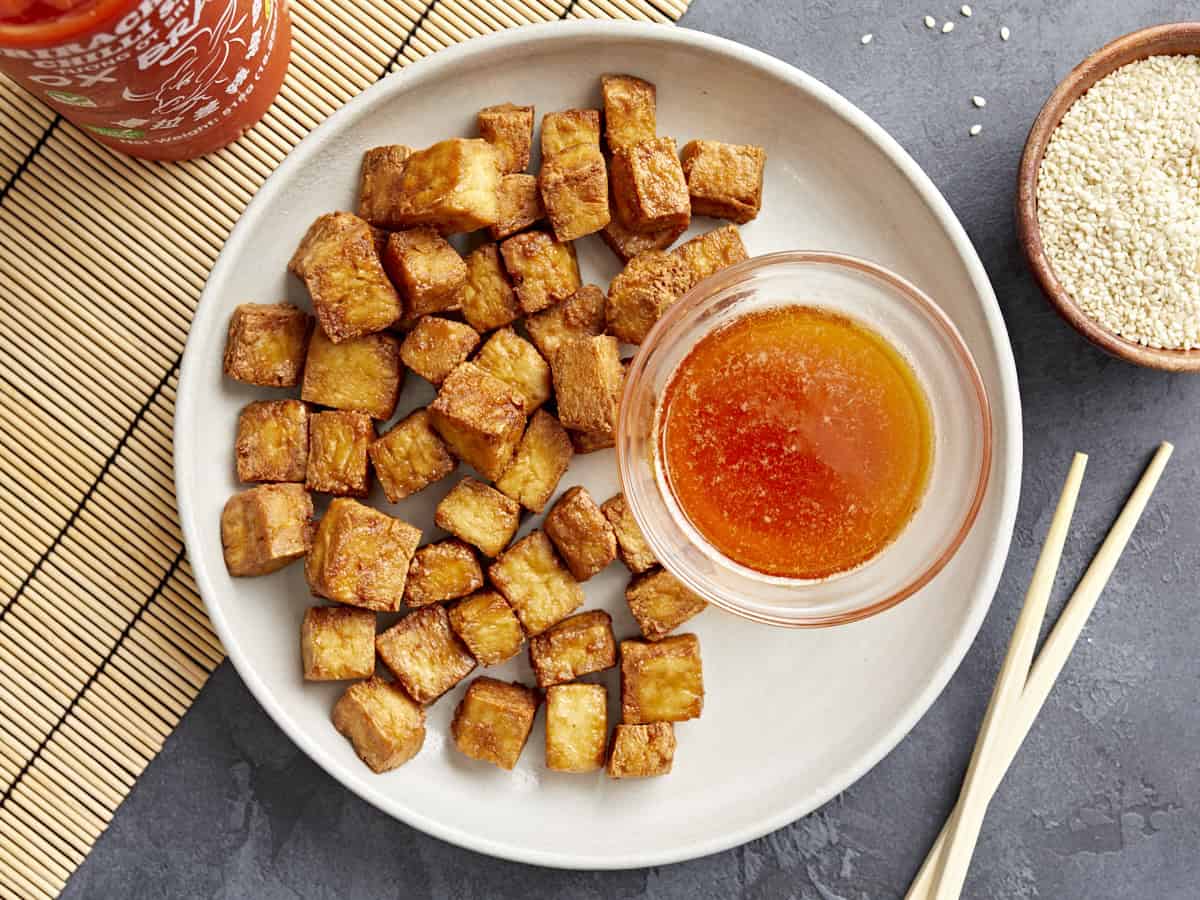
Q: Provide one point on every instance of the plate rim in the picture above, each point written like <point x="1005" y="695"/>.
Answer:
<point x="423" y="71"/>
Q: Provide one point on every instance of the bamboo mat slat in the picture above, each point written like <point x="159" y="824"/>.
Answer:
<point x="103" y="638"/>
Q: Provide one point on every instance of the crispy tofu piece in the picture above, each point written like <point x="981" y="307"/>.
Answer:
<point x="535" y="583"/>
<point x="443" y="571"/>
<point x="451" y="186"/>
<point x="640" y="751"/>
<point x="711" y="252"/>
<point x="661" y="603"/>
<point x="362" y="374"/>
<point x="629" y="110"/>
<point x="487" y="299"/>
<point x="587" y="378"/>
<point x="581" y="534"/>
<point x="569" y="128"/>
<point x="631" y="544"/>
<point x="379" y="189"/>
<point x="480" y="515"/>
<point x="384" y="726"/>
<point x="426" y="268"/>
<point x="360" y="556"/>
<point x="574" y="647"/>
<point x="426" y="657"/>
<point x="337" y="642"/>
<point x="508" y="128"/>
<point x="337" y="453"/>
<point x="574" y="189"/>
<point x="480" y="417"/>
<point x="265" y="528"/>
<point x="540" y="461"/>
<point x="517" y="363"/>
<point x="266" y="343"/>
<point x="493" y="721"/>
<point x="591" y="441"/>
<point x="641" y="293"/>
<point x="580" y="315"/>
<point x="435" y="347"/>
<point x="272" y="441"/>
<point x="724" y="180"/>
<point x="520" y="205"/>
<point x="543" y="271"/>
<point x="649" y="191"/>
<point x="410" y="457"/>
<point x="351" y="293"/>
<point x="663" y="681"/>
<point x="488" y="626"/>
<point x="627" y="244"/>
<point x="576" y="727"/>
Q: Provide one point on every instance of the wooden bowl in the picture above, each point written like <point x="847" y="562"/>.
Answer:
<point x="1176" y="39"/>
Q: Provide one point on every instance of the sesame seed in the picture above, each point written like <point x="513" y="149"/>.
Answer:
<point x="979" y="102"/>
<point x="966" y="10"/>
<point x="867" y="38"/>
<point x="1004" y="33"/>
<point x="930" y="22"/>
<point x="975" y="129"/>
<point x="947" y="28"/>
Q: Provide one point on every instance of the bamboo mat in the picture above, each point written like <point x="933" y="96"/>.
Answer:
<point x="103" y="639"/>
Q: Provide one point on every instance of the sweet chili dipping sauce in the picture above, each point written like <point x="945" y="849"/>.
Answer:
<point x="797" y="441"/>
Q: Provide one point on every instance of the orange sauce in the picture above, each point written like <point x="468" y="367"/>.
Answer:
<point x="796" y="441"/>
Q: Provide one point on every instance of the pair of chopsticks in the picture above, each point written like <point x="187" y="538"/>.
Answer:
<point x="1023" y="685"/>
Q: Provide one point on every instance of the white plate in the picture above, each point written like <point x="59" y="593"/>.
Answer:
<point x="791" y="718"/>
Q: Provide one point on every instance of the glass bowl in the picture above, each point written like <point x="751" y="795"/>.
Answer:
<point x="962" y="424"/>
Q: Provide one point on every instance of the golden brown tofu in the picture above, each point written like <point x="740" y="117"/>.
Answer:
<point x="337" y="642"/>
<point x="649" y="190"/>
<point x="272" y="441"/>
<point x="265" y="528"/>
<point x="535" y="583"/>
<point x="351" y="293"/>
<point x="641" y="751"/>
<point x="426" y="657"/>
<point x="508" y="128"/>
<point x="662" y="681"/>
<point x="385" y="727"/>
<point x="379" y="189"/>
<point x="487" y="299"/>
<point x="724" y="180"/>
<point x="569" y="128"/>
<point x="337" y="453"/>
<point x="360" y="556"/>
<point x="266" y="344"/>
<point x="542" y="270"/>
<point x="410" y="457"/>
<point x="641" y="293"/>
<point x="480" y="515"/>
<point x="581" y="534"/>
<point x="488" y="626"/>
<point x="451" y="186"/>
<point x="587" y="378"/>
<point x="629" y="110"/>
<point x="631" y="544"/>
<point x="520" y="205"/>
<point x="574" y="647"/>
<point x="480" y="417"/>
<point x="493" y="721"/>
<point x="435" y="347"/>
<point x="660" y="603"/>
<point x="540" y="461"/>
<point x="711" y="252"/>
<point x="580" y="315"/>
<point x="591" y="441"/>
<point x="428" y="271"/>
<point x="362" y="374"/>
<point x="627" y="244"/>
<point x="443" y="571"/>
<point x="576" y="727"/>
<point x="574" y="188"/>
<point x="517" y="363"/>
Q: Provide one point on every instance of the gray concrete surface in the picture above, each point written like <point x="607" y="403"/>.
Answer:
<point x="1105" y="799"/>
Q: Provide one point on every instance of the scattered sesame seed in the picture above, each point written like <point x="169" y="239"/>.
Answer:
<point x="947" y="28"/>
<point x="930" y="22"/>
<point x="966" y="10"/>
<point x="1004" y="33"/>
<point x="975" y="129"/>
<point x="979" y="102"/>
<point x="867" y="38"/>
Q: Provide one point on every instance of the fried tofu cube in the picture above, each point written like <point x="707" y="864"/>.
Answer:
<point x="574" y="647"/>
<point x="540" y="461"/>
<point x="272" y="441"/>
<point x="580" y="315"/>
<point x="587" y="378"/>
<point x="627" y="244"/>
<point x="493" y="721"/>
<point x="351" y="293"/>
<point x="641" y="293"/>
<point x="641" y="751"/>
<point x="629" y="110"/>
<point x="661" y="603"/>
<point x="480" y="417"/>
<point x="488" y="626"/>
<point x="337" y="452"/>
<point x="443" y="571"/>
<point x="711" y="252"/>
<point x="581" y="534"/>
<point x="480" y="515"/>
<point x="265" y="528"/>
<point x="426" y="268"/>
<point x="435" y="347"/>
<point x="379" y="189"/>
<point x="649" y="190"/>
<point x="517" y="363"/>
<point x="591" y="441"/>
<point x="662" y="681"/>
<point x="569" y="128"/>
<point x="426" y="657"/>
<point x="337" y="642"/>
<point x="576" y="727"/>
<point x="360" y="556"/>
<point x="520" y="205"/>
<point x="535" y="583"/>
<point x="543" y="271"/>
<point x="410" y="457"/>
<point x="631" y="543"/>
<point x="266" y="344"/>
<point x="384" y="726"/>
<point x="487" y="299"/>
<point x="362" y="374"/>
<point x="451" y="186"/>
<point x="508" y="128"/>
<point x="724" y="180"/>
<point x="574" y="189"/>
